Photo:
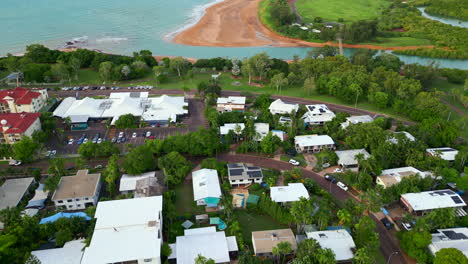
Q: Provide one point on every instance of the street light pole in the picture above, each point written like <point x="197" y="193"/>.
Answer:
<point x="389" y="257"/>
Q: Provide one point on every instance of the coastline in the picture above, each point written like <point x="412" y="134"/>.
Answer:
<point x="235" y="23"/>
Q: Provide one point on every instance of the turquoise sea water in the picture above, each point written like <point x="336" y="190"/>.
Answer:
<point x="123" y="26"/>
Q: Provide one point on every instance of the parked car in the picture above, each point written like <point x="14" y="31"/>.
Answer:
<point x="99" y="140"/>
<point x="70" y="141"/>
<point x="134" y="135"/>
<point x="80" y="141"/>
<point x="294" y="162"/>
<point x="342" y="186"/>
<point x="386" y="223"/>
<point x="407" y="226"/>
<point x="85" y="140"/>
<point x="330" y="178"/>
<point x="148" y="134"/>
<point x="121" y="134"/>
<point x="151" y="137"/>
<point x="325" y="165"/>
<point x="338" y="170"/>
<point x="95" y="139"/>
<point x="99" y="166"/>
<point x="114" y="139"/>
<point x="123" y="139"/>
<point x="14" y="163"/>
<point x="119" y="140"/>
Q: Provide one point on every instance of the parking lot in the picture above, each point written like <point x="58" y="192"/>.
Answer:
<point x="189" y="123"/>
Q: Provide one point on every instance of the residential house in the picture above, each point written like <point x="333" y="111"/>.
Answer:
<point x="78" y="192"/>
<point x="352" y="120"/>
<point x="264" y="241"/>
<point x="70" y="253"/>
<point x="237" y="128"/>
<point x="240" y="173"/>
<point x="283" y="108"/>
<point x="347" y="158"/>
<point x="313" y="143"/>
<point x="14" y="126"/>
<point x="446" y="153"/>
<point x="317" y="114"/>
<point x="293" y="192"/>
<point x="403" y="134"/>
<point x="203" y="241"/>
<point x="339" y="241"/>
<point x="12" y="192"/>
<point x="147" y="187"/>
<point x="450" y="238"/>
<point x="284" y="120"/>
<point x="20" y="100"/>
<point x="157" y="111"/>
<point x="206" y="188"/>
<point x="128" y="182"/>
<point x="231" y="103"/>
<point x="127" y="231"/>
<point x="37" y="202"/>
<point x="390" y="177"/>
<point x="262" y="130"/>
<point x="424" y="202"/>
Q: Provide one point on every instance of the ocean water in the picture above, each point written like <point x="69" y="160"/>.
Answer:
<point x="123" y="26"/>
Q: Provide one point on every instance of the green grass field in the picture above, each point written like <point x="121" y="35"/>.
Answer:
<point x="332" y="10"/>
<point x="250" y="222"/>
<point x="398" y="42"/>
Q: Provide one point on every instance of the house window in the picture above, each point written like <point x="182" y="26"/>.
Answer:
<point x="148" y="260"/>
<point x="86" y="198"/>
<point x="77" y="199"/>
<point x="70" y="206"/>
<point x="69" y="200"/>
<point x="59" y="201"/>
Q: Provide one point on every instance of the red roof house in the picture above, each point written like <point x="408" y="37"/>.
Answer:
<point x="20" y="95"/>
<point x="17" y="123"/>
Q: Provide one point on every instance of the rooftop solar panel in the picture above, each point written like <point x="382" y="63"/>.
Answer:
<point x="233" y="165"/>
<point x="235" y="172"/>
<point x="254" y="174"/>
<point x="454" y="235"/>
<point x="457" y="199"/>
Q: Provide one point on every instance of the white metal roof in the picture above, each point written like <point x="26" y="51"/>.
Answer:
<point x="12" y="191"/>
<point x="70" y="253"/>
<point x="290" y="193"/>
<point x="356" y="120"/>
<point x="433" y="200"/>
<point x="402" y="172"/>
<point x="261" y="130"/>
<point x="118" y="104"/>
<point x="394" y="140"/>
<point x="128" y="182"/>
<point x="348" y="157"/>
<point x="313" y="140"/>
<point x="205" y="184"/>
<point x="339" y="241"/>
<point x="224" y="130"/>
<point x="450" y="238"/>
<point x="444" y="153"/>
<point x="206" y="242"/>
<point x="318" y="113"/>
<point x="126" y="230"/>
<point x="278" y="106"/>
<point x="231" y="100"/>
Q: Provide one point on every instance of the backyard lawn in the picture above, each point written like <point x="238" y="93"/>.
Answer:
<point x="184" y="200"/>
<point x="332" y="10"/>
<point x="251" y="221"/>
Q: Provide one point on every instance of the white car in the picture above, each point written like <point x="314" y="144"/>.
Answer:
<point x="148" y="134"/>
<point x="342" y="186"/>
<point x="70" y="141"/>
<point x="338" y="170"/>
<point x="407" y="226"/>
<point x="134" y="135"/>
<point x="99" y="140"/>
<point x="121" y="134"/>
<point x="85" y="140"/>
<point x="294" y="162"/>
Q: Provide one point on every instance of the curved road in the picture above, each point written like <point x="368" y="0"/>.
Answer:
<point x="388" y="243"/>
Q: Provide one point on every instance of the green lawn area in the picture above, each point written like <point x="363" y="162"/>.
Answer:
<point x="299" y="157"/>
<point x="184" y="200"/>
<point x="332" y="10"/>
<point x="398" y="42"/>
<point x="446" y="87"/>
<point x="250" y="221"/>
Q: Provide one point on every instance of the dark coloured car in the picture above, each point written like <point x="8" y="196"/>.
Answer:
<point x="386" y="223"/>
<point x="330" y="178"/>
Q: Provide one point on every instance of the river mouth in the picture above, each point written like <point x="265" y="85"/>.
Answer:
<point x="122" y="27"/>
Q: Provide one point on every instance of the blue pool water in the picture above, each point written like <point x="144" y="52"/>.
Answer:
<point x="122" y="26"/>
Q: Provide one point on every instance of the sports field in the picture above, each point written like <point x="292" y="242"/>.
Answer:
<point x="332" y="10"/>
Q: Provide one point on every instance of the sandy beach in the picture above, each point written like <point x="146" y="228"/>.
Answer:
<point x="235" y="23"/>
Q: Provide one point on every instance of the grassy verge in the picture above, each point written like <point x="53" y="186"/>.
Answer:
<point x="332" y="10"/>
<point x="299" y="157"/>
<point x="251" y="221"/>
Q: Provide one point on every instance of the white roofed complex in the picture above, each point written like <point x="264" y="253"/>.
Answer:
<point x="282" y="108"/>
<point x="427" y="201"/>
<point x="150" y="109"/>
<point x="317" y="114"/>
<point x="339" y="241"/>
<point x="224" y="130"/>
<point x="205" y="184"/>
<point x="126" y="230"/>
<point x="128" y="182"/>
<point x="352" y="120"/>
<point x="203" y="241"/>
<point x="313" y="143"/>
<point x="444" y="153"/>
<point x="290" y="193"/>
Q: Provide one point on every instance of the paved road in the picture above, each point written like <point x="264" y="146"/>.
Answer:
<point x="388" y="243"/>
<point x="333" y="107"/>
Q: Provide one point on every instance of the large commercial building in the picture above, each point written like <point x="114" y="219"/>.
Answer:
<point x="22" y="100"/>
<point x="153" y="110"/>
<point x="13" y="126"/>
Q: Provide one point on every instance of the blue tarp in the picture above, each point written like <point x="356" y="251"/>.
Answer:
<point x="384" y="211"/>
<point x="57" y="216"/>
